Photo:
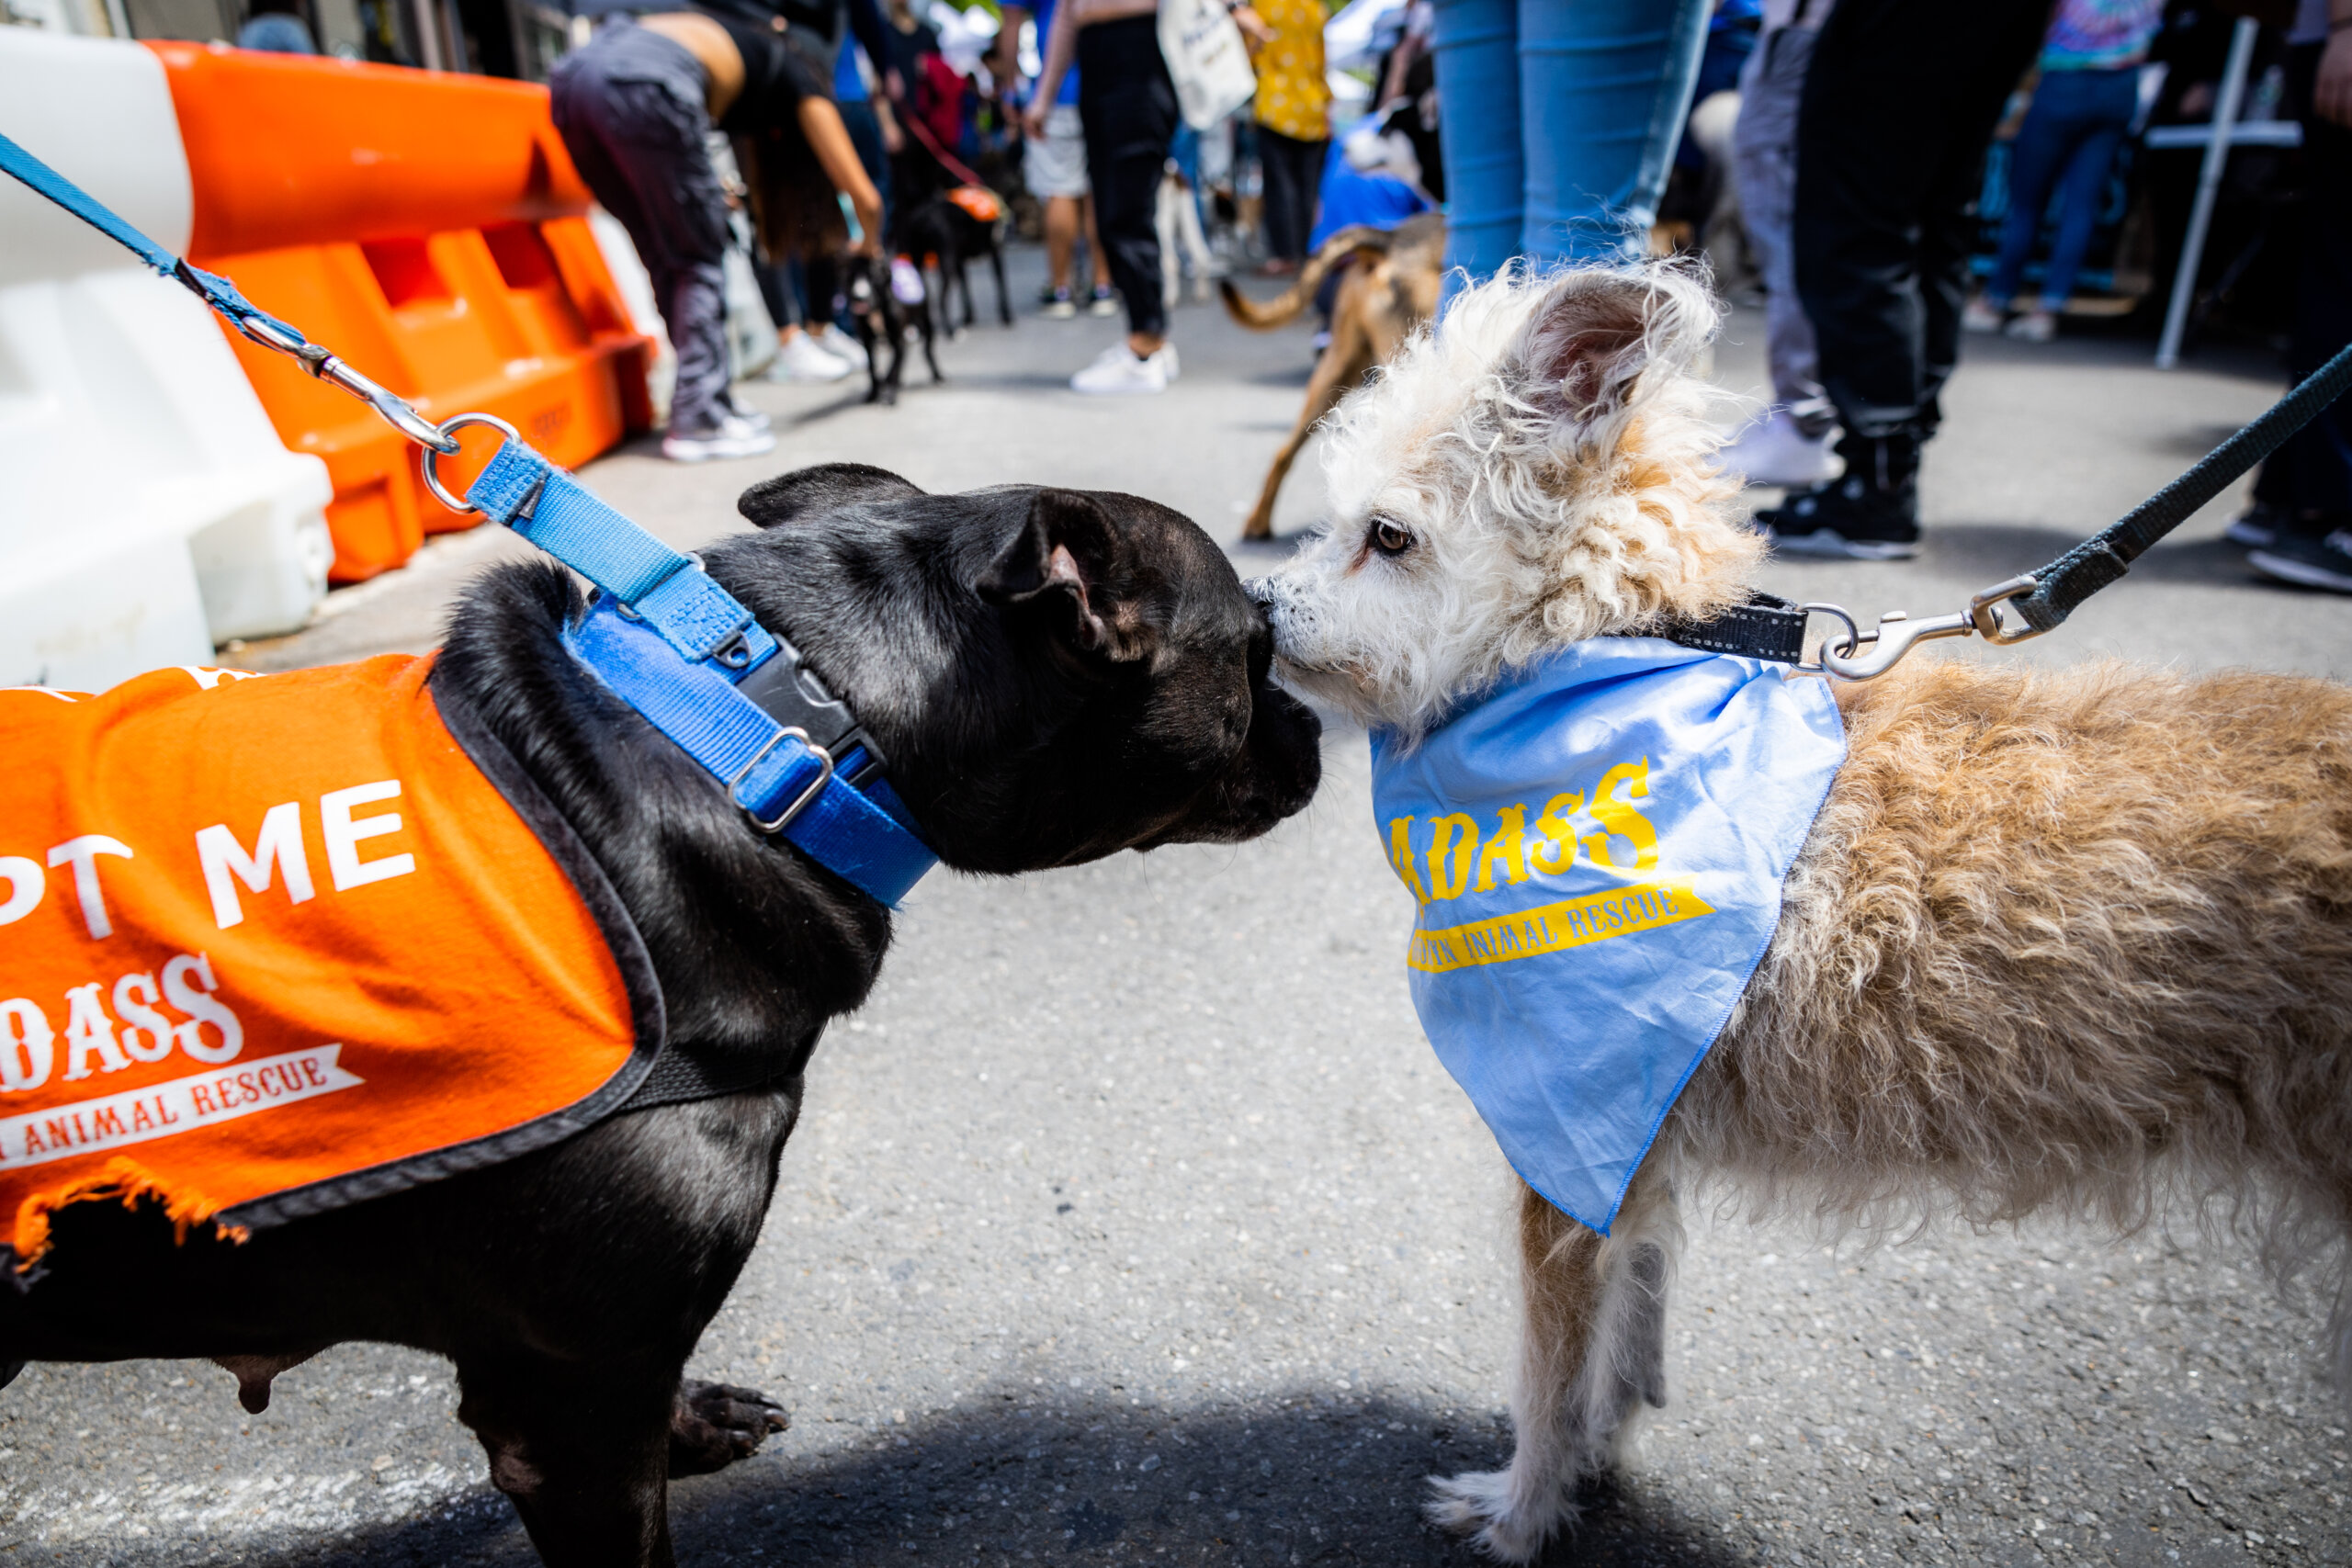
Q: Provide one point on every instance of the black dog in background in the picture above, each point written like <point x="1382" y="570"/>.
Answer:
<point x="1054" y="676"/>
<point x="882" y="316"/>
<point x="941" y="228"/>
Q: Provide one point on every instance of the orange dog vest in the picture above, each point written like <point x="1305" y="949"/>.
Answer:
<point x="269" y="944"/>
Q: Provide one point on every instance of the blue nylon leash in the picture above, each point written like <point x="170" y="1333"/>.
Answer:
<point x="660" y="634"/>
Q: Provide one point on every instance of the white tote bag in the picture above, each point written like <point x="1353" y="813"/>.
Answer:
<point x="1207" y="59"/>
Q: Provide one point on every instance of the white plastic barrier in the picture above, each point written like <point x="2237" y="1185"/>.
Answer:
<point x="147" y="508"/>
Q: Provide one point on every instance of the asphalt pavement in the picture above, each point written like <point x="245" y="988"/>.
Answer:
<point x="1134" y="1221"/>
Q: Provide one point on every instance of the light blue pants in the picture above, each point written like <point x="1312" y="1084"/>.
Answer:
<point x="1559" y="121"/>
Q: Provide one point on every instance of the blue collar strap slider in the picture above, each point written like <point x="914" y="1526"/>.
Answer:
<point x="786" y="783"/>
<point x="668" y="640"/>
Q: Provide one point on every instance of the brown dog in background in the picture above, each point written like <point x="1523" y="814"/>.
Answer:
<point x="1389" y="291"/>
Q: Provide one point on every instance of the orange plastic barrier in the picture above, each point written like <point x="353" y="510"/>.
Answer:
<point x="429" y="229"/>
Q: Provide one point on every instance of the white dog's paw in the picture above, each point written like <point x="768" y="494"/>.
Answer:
<point x="1479" y="1505"/>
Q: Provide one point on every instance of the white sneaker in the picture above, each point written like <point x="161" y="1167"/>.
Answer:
<point x="1773" y="451"/>
<point x="1119" y="373"/>
<point x="1980" y="315"/>
<point x="2035" y="326"/>
<point x="752" y="417"/>
<point x="733" y="438"/>
<point x="1166" y="359"/>
<point x="800" y="359"/>
<point x="843" y="346"/>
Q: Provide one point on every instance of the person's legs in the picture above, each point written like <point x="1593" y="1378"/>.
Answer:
<point x="1898" y="110"/>
<point x="1476" y="46"/>
<point x="1128" y="105"/>
<point x="2312" y="475"/>
<point x="1764" y="166"/>
<point x="2110" y="99"/>
<point x="1293" y="169"/>
<point x="1604" y="87"/>
<point x="630" y="113"/>
<point x="1061" y="243"/>
<point x="2045" y="144"/>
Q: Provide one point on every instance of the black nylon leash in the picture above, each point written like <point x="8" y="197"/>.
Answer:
<point x="2061" y="587"/>
<point x="1772" y="628"/>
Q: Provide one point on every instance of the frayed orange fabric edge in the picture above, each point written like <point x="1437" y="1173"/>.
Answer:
<point x="130" y="1183"/>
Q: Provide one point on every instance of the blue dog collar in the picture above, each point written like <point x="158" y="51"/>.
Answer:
<point x="686" y="654"/>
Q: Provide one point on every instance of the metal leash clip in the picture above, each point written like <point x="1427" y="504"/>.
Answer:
<point x="395" y="409"/>
<point x="1896" y="634"/>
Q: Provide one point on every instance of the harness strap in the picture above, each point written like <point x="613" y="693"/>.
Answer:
<point x="2062" y="586"/>
<point x="668" y="591"/>
<point x="775" y="773"/>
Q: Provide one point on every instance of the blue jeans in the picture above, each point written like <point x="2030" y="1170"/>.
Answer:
<point x="2068" y="142"/>
<point x="1559" y="119"/>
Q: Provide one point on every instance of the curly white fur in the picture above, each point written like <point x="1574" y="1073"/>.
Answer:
<point x="1547" y="457"/>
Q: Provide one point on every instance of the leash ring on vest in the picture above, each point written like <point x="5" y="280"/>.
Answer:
<point x="824" y="776"/>
<point x="428" y="458"/>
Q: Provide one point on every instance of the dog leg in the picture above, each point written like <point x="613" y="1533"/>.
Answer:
<point x="1591" y="1353"/>
<point x="1003" y="301"/>
<point x="714" y="1424"/>
<point x="582" y="1450"/>
<point x="1344" y="362"/>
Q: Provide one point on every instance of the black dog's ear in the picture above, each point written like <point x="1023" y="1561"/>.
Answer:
<point x="1069" y="551"/>
<point x="809" y="492"/>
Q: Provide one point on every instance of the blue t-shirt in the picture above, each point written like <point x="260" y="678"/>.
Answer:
<point x="849" y="86"/>
<point x="1069" y="95"/>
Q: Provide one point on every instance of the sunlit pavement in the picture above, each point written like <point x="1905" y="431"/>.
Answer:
<point x="1134" y="1221"/>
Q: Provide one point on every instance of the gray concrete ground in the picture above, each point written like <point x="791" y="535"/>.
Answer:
<point x="1135" y="1221"/>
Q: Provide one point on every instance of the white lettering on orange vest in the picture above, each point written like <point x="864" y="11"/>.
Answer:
<point x="343" y="835"/>
<point x="202" y="1007"/>
<point x="81" y="855"/>
<point x="89" y="1032"/>
<point x="278" y="844"/>
<point x="36" y="1137"/>
<point x="25" y="1045"/>
<point x="146" y="1033"/>
<point x="208" y="678"/>
<point x="27" y="882"/>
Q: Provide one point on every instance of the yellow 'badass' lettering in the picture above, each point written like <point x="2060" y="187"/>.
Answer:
<point x="1460" y="857"/>
<point x="1441" y="841"/>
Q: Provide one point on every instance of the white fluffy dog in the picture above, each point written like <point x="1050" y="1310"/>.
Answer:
<point x="2076" y="942"/>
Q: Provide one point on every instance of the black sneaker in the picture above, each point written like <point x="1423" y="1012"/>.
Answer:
<point x="1846" y="518"/>
<point x="2308" y="562"/>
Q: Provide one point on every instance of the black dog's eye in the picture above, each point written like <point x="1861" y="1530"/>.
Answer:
<point x="1389" y="538"/>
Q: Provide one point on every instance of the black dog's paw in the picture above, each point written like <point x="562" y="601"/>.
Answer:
<point x="714" y="1424"/>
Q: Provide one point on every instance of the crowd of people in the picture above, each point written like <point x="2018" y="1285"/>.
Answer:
<point x="1857" y="163"/>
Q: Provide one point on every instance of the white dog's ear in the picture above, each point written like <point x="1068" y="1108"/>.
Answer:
<point x="1597" y="329"/>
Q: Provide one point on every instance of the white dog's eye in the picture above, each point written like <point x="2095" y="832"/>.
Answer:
<point x="1389" y="538"/>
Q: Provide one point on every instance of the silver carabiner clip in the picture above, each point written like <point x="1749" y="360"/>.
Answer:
<point x="1897" y="633"/>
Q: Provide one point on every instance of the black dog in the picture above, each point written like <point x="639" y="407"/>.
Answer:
<point x="882" y="316"/>
<point x="940" y="227"/>
<point x="1054" y="676"/>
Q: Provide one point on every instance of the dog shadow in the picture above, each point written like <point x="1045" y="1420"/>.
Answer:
<point x="1017" y="1474"/>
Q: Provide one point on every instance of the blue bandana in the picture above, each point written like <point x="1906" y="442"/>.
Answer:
<point x="1596" y="847"/>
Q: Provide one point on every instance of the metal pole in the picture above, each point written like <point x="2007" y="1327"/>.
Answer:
<point x="2209" y="187"/>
